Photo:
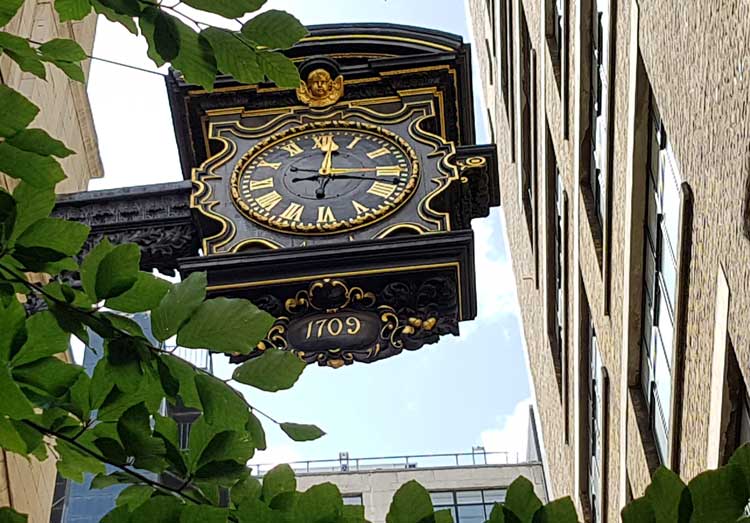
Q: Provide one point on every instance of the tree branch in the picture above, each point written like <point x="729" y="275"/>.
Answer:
<point x="104" y="459"/>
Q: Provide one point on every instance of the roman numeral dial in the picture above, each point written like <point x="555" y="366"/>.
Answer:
<point x="325" y="177"/>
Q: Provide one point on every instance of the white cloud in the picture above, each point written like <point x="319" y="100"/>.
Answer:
<point x="511" y="437"/>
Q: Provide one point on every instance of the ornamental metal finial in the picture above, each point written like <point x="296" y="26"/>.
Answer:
<point x="320" y="90"/>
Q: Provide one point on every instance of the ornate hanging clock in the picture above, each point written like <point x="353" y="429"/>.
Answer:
<point x="342" y="207"/>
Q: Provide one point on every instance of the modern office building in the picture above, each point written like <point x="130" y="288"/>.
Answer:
<point x="468" y="484"/>
<point x="623" y="129"/>
<point x="65" y="113"/>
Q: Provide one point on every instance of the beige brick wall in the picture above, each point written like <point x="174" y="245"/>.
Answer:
<point x="65" y="110"/>
<point x="27" y="485"/>
<point x="697" y="60"/>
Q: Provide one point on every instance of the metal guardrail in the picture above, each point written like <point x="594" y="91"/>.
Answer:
<point x="200" y="358"/>
<point x="416" y="461"/>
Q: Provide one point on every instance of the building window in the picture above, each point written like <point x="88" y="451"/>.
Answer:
<point x="352" y="499"/>
<point x="661" y="239"/>
<point x="597" y="427"/>
<point x="600" y="107"/>
<point x="510" y="79"/>
<point x="556" y="202"/>
<point x="490" y="60"/>
<point x="736" y="413"/>
<point x="529" y="146"/>
<point x="555" y="24"/>
<point x="468" y="506"/>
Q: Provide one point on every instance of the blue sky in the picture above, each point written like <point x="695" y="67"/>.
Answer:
<point x="447" y="397"/>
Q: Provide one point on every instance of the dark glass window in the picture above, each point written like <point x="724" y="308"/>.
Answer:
<point x="659" y="279"/>
<point x="468" y="506"/>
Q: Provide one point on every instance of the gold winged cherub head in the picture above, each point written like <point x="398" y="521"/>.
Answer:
<point x="320" y="89"/>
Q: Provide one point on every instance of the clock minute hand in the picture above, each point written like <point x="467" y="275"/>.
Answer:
<point x="335" y="171"/>
<point x="349" y="177"/>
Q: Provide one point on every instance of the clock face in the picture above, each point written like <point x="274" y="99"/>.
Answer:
<point x="323" y="178"/>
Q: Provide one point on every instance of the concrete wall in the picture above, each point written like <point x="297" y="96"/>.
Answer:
<point x="65" y="113"/>
<point x="696" y="58"/>
<point x="378" y="486"/>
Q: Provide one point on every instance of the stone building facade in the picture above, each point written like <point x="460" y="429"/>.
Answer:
<point x="623" y="135"/>
<point x="65" y="114"/>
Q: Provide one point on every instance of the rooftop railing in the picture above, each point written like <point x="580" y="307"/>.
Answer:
<point x="417" y="461"/>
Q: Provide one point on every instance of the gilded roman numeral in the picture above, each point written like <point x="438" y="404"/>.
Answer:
<point x="269" y="200"/>
<point x="266" y="183"/>
<point x="388" y="170"/>
<point x="353" y="142"/>
<point x="292" y="148"/>
<point x="381" y="189"/>
<point x="293" y="212"/>
<point x="274" y="165"/>
<point x="325" y="214"/>
<point x="377" y="153"/>
<point x="323" y="141"/>
<point x="361" y="209"/>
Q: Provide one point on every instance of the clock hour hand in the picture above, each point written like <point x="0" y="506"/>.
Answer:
<point x="306" y="178"/>
<point x="320" y="192"/>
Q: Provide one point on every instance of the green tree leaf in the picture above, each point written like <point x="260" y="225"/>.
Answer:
<point x="521" y="500"/>
<point x="203" y="514"/>
<point x="12" y="329"/>
<point x="278" y="480"/>
<point x="223" y="407"/>
<point x="274" y="370"/>
<point x="25" y="56"/>
<point x="73" y="70"/>
<point x="166" y="36"/>
<point x="118" y="271"/>
<point x="10" y="439"/>
<point x="302" y="432"/>
<point x="55" y="234"/>
<point x="669" y="497"/>
<point x="497" y="515"/>
<point x="8" y="515"/>
<point x="72" y="9"/>
<point x="638" y="511"/>
<point x="110" y="14"/>
<point x="319" y="504"/>
<point x="256" y="431"/>
<point x="45" y="338"/>
<point x="559" y="511"/>
<point x="37" y="170"/>
<point x="14" y="403"/>
<point x="225" y="324"/>
<point x="248" y="488"/>
<point x="411" y="504"/>
<point x="90" y="266"/>
<point x="63" y="49"/>
<point x="16" y="110"/>
<point x="234" y="56"/>
<point x="134" y="496"/>
<point x="79" y="397"/>
<point x="178" y="305"/>
<point x="279" y="69"/>
<point x="73" y="463"/>
<point x="185" y="375"/>
<point x="718" y="495"/>
<point x="356" y="514"/>
<point x="228" y="445"/>
<point x="123" y="7"/>
<point x="134" y="429"/>
<point x="32" y="204"/>
<point x="443" y="516"/>
<point x="227" y="8"/>
<point x="144" y="295"/>
<point x="274" y="29"/>
<point x="50" y="376"/>
<point x="8" y="9"/>
<point x="39" y="142"/>
<point x="147" y="23"/>
<point x="741" y="458"/>
<point x="196" y="59"/>
<point x="8" y="212"/>
<point x="162" y="509"/>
